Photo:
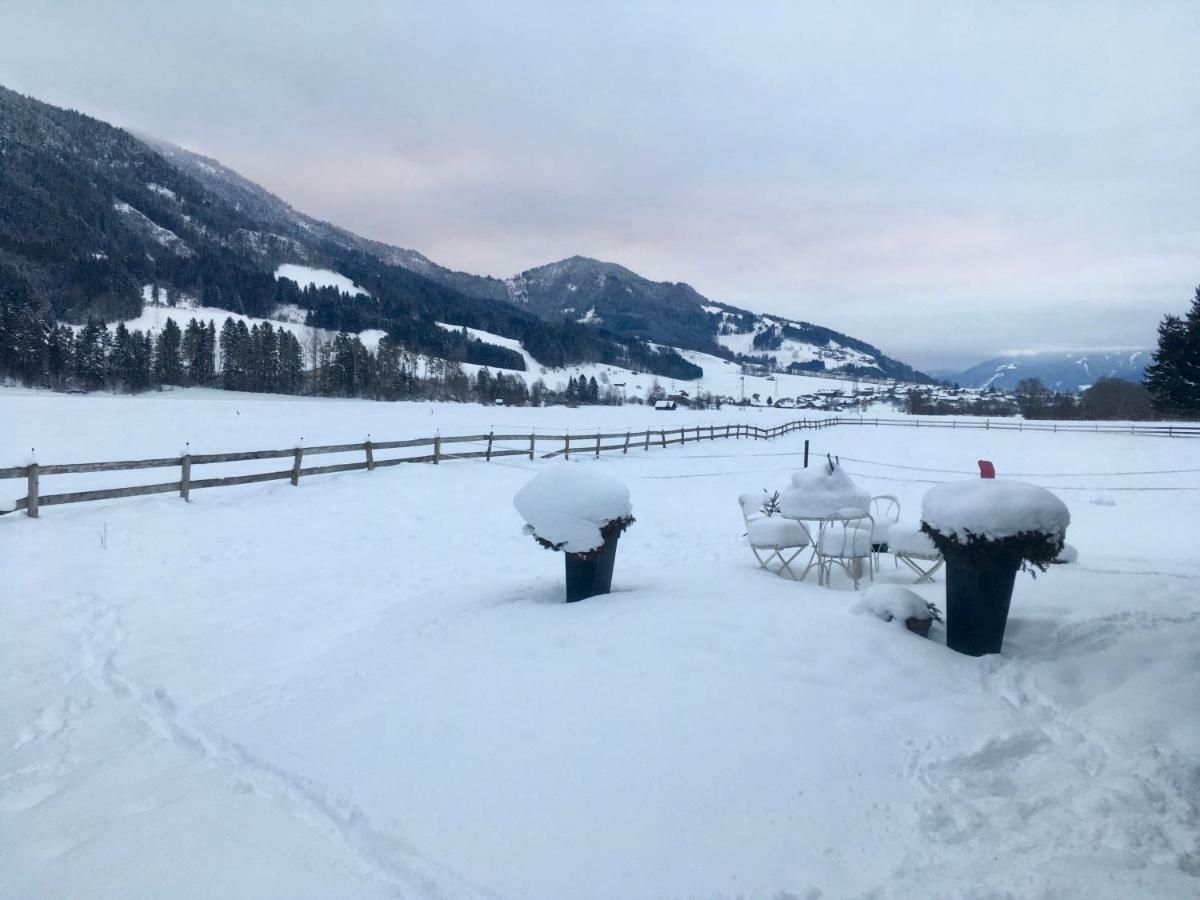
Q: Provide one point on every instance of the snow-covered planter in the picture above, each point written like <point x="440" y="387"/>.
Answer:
<point x="890" y="602"/>
<point x="582" y="512"/>
<point x="988" y="529"/>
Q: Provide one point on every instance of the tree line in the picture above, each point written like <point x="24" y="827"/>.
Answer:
<point x="259" y="358"/>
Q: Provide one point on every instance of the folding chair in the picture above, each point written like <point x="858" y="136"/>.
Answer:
<point x="845" y="540"/>
<point x="885" y="512"/>
<point x="776" y="537"/>
<point x="911" y="546"/>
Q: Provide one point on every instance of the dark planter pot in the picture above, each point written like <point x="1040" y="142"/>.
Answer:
<point x="919" y="626"/>
<point x="589" y="576"/>
<point x="978" y="594"/>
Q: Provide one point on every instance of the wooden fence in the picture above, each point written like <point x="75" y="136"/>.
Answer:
<point x="527" y="446"/>
<point x="571" y="444"/>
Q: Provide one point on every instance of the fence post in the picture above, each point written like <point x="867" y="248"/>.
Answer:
<point x="663" y="435"/>
<point x="597" y="445"/>
<point x="437" y="448"/>
<point x="370" y="454"/>
<point x="806" y="453"/>
<point x="712" y="432"/>
<point x="31" y="499"/>
<point x="567" y="445"/>
<point x="297" y="457"/>
<point x="625" y="449"/>
<point x="185" y="477"/>
<point x="647" y="439"/>
<point x="532" y="443"/>
<point x="488" y="458"/>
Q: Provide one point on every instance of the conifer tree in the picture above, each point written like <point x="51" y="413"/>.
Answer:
<point x="1173" y="379"/>
<point x="168" y="362"/>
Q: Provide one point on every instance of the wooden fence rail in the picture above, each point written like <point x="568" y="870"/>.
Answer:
<point x="580" y="443"/>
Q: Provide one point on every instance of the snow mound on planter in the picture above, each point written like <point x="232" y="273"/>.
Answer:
<point x="819" y="493"/>
<point x="567" y="505"/>
<point x="993" y="508"/>
<point x="890" y="601"/>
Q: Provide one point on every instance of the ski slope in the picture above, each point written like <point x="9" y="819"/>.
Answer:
<point x="367" y="686"/>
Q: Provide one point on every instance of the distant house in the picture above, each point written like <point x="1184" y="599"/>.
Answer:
<point x="667" y="405"/>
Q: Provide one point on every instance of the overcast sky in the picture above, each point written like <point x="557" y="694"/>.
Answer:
<point x="948" y="181"/>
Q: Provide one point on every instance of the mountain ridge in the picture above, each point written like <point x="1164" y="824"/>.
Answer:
<point x="91" y="214"/>
<point x="1057" y="370"/>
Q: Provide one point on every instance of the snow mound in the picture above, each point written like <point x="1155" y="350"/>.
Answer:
<point x="1068" y="554"/>
<point x="892" y="602"/>
<point x="567" y="505"/>
<point x="820" y="493"/>
<point x="306" y="275"/>
<point x="993" y="508"/>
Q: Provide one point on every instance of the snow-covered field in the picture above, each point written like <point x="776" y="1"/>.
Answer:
<point x="367" y="686"/>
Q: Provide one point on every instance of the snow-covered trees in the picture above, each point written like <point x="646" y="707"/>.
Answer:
<point x="1174" y="378"/>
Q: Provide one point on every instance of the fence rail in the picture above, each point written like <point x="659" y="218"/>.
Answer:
<point x="579" y="444"/>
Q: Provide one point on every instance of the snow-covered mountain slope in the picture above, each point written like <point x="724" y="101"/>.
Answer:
<point x="1057" y="371"/>
<point x="593" y="292"/>
<point x="577" y="289"/>
<point x="306" y="276"/>
<point x="156" y="311"/>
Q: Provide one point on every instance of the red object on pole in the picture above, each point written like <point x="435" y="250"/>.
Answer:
<point x="986" y="469"/>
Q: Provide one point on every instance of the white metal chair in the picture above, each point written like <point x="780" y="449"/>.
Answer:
<point x="845" y="540"/>
<point x="885" y="512"/>
<point x="911" y="546"/>
<point x="773" y="535"/>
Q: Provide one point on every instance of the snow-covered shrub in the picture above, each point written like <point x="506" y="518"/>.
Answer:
<point x="574" y="508"/>
<point x="892" y="602"/>
<point x="985" y="519"/>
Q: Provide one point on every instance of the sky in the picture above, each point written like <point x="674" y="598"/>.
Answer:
<point x="949" y="181"/>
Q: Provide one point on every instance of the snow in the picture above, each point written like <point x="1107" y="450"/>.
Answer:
<point x="791" y="351"/>
<point x="993" y="508"/>
<point x="306" y="275"/>
<point x="568" y="504"/>
<point x="776" y="531"/>
<point x="818" y="493"/>
<point x="891" y="602"/>
<point x="160" y="190"/>
<point x="164" y="236"/>
<point x="369" y="686"/>
<point x="289" y="318"/>
<point x="908" y="539"/>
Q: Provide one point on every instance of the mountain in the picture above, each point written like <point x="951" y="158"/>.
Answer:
<point x="1057" y="371"/>
<point x="579" y="289"/>
<point x="94" y="219"/>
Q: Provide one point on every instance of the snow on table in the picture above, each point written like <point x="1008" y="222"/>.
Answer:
<point x="568" y="504"/>
<point x="818" y="493"/>
<point x="993" y="508"/>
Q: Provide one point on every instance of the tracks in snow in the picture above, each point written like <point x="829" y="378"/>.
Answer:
<point x="377" y="855"/>
<point x="1054" y="785"/>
